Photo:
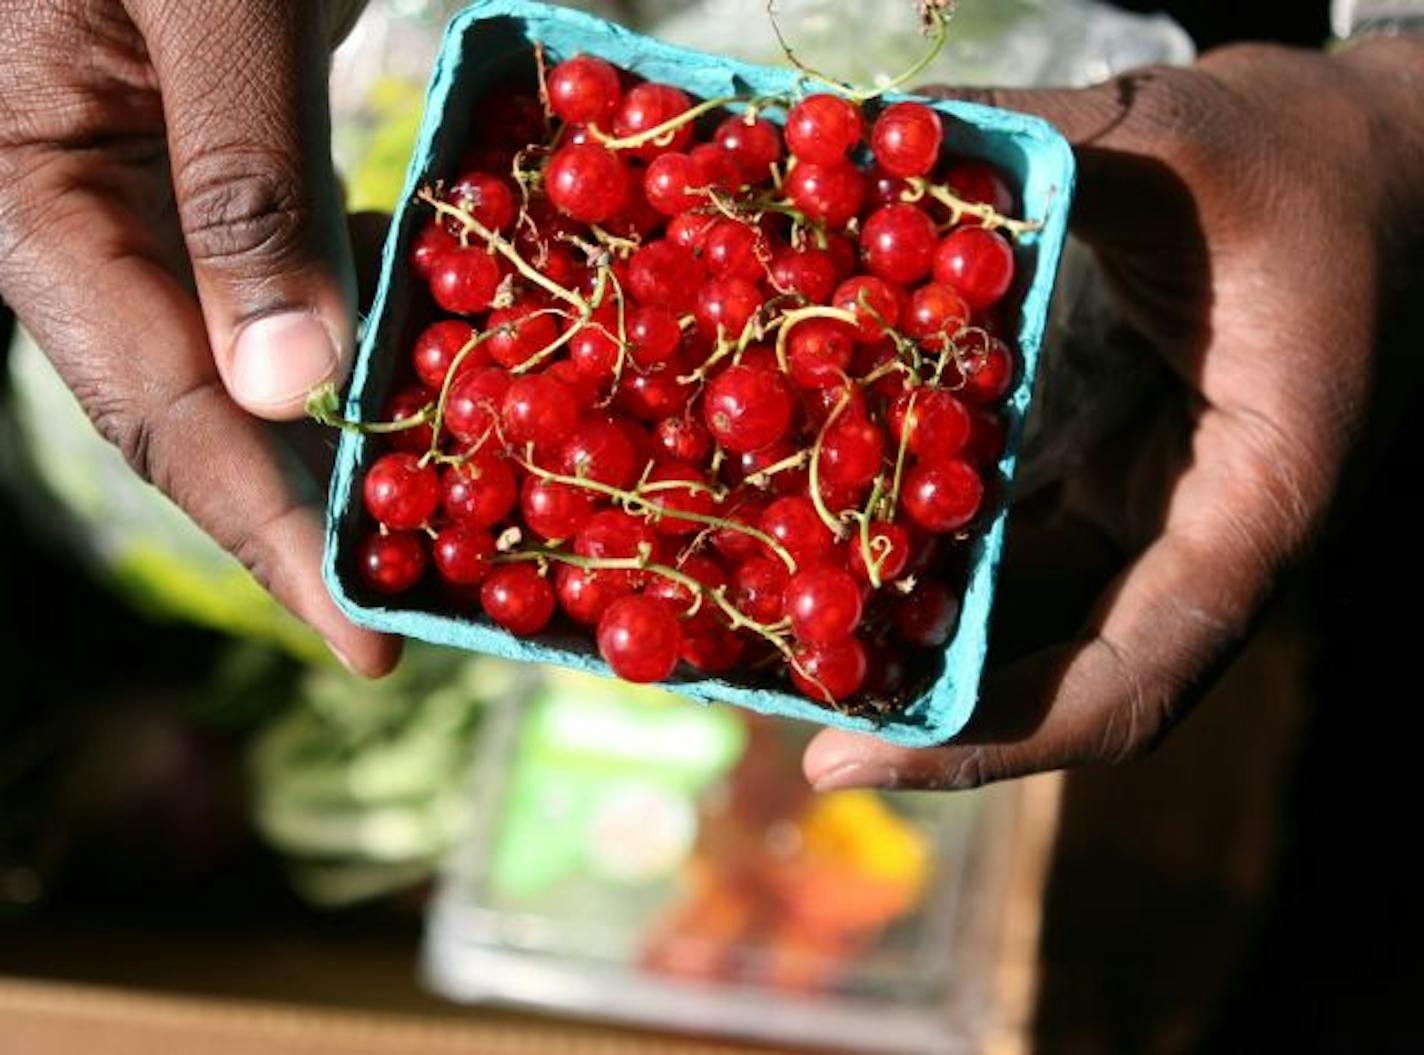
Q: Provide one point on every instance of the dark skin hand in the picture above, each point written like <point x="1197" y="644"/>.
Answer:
<point x="172" y="235"/>
<point x="1250" y="213"/>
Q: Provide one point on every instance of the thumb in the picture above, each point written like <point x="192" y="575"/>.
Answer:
<point x="244" y="84"/>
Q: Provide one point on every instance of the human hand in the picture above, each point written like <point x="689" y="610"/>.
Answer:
<point x="171" y="233"/>
<point x="1247" y="213"/>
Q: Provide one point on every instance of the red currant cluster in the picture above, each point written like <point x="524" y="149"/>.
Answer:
<point x="711" y="387"/>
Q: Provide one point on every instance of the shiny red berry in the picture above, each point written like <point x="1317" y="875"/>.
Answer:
<point x="830" y="193"/>
<point x="463" y="554"/>
<point x="640" y="638"/>
<point x="873" y="301"/>
<point x="979" y="183"/>
<point x="554" y="510"/>
<point x="937" y="424"/>
<point x="889" y="552"/>
<point x="898" y="243"/>
<point x="586" y="182"/>
<point x="678" y="489"/>
<point x="935" y="316"/>
<point x="654" y="336"/>
<point x="755" y="145"/>
<point x="648" y="106"/>
<point x="831" y="673"/>
<point x="540" y="410"/>
<point x="759" y="589"/>
<point x="400" y="492"/>
<point x="926" y="616"/>
<point x="480" y="492"/>
<point x="518" y="598"/>
<point x="486" y="197"/>
<point x="823" y="604"/>
<point x="584" y="90"/>
<point x="392" y="563"/>
<point x="942" y="497"/>
<point x="407" y="403"/>
<point x="732" y="249"/>
<point x="747" y="409"/>
<point x="984" y="374"/>
<point x="472" y="407"/>
<point x="518" y="333"/>
<point x="683" y="439"/>
<point x="906" y="139"/>
<point x="811" y="273"/>
<point x="824" y="129"/>
<point x="852" y="452"/>
<point x="666" y="274"/>
<point x="430" y="245"/>
<point x="585" y="595"/>
<point x="438" y="345"/>
<point x="818" y="352"/>
<point x="600" y="450"/>
<point x="795" y="524"/>
<point x="464" y="281"/>
<point x="977" y="264"/>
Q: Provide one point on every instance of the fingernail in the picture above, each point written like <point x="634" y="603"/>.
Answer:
<point x="850" y="775"/>
<point x="281" y="358"/>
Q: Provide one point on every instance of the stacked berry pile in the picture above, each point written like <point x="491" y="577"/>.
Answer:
<point x="720" y="391"/>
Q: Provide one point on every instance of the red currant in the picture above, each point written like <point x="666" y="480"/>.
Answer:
<point x="472" y="406"/>
<point x="824" y="129"/>
<point x="640" y="639"/>
<point x="726" y="306"/>
<point x="898" y="243"/>
<point x="830" y="673"/>
<point x="438" y="345"/>
<point x="540" y="410"/>
<point x="518" y="333"/>
<point x="978" y="264"/>
<point x="400" y="492"/>
<point x="654" y="336"/>
<point x="407" y="403"/>
<point x="936" y="316"/>
<point x="584" y="90"/>
<point x="852" y="452"/>
<point x="756" y="145"/>
<point x="979" y="183"/>
<point x="759" y="589"/>
<point x="392" y="563"/>
<point x="518" y="598"/>
<point x="938" y="424"/>
<point x="942" y="497"/>
<point x="823" y="604"/>
<point x="830" y="193"/>
<point x="601" y="451"/>
<point x="480" y="492"/>
<point x="732" y="249"/>
<point x="683" y="439"/>
<point x="926" y="616"/>
<point x="889" y="552"/>
<point x="430" y="245"/>
<point x="811" y="273"/>
<point x="818" y="352"/>
<point x="554" y="510"/>
<point x="907" y="139"/>
<point x="646" y="107"/>
<point x="585" y="595"/>
<point x="795" y="524"/>
<point x="463" y="554"/>
<point x="586" y="182"/>
<point x="665" y="274"/>
<point x="675" y="488"/>
<point x="487" y="198"/>
<point x="464" y="281"/>
<point x="983" y="376"/>
<point x="747" y="409"/>
<point x="873" y="301"/>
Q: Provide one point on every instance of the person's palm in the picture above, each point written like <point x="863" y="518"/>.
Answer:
<point x="1241" y="244"/>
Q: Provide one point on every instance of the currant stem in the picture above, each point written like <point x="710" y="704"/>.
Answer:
<point x="632" y="500"/>
<point x="789" y="320"/>
<point x="836" y="525"/>
<point x="959" y="208"/>
<point x="322" y="407"/>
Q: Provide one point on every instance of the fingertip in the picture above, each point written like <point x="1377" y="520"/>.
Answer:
<point x="366" y="654"/>
<point x="839" y="761"/>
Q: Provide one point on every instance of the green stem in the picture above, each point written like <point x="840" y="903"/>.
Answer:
<point x="830" y="520"/>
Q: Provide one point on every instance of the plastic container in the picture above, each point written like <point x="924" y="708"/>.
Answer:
<point x="492" y="41"/>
